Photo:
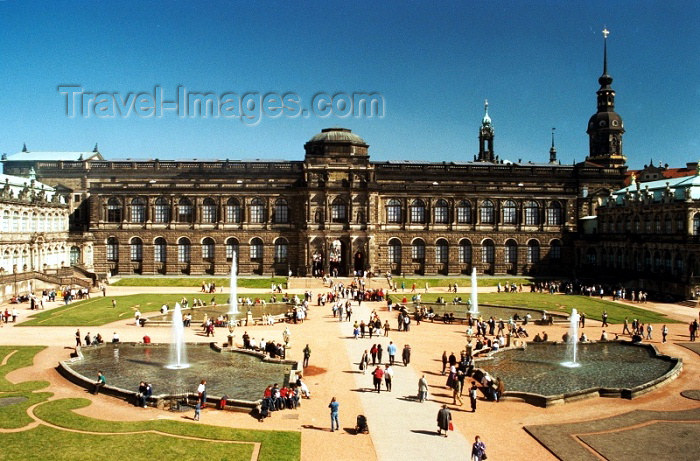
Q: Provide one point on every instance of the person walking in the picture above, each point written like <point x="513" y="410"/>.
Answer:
<point x="78" y="341"/>
<point x="202" y="393"/>
<point x="478" y="449"/>
<point x="444" y="417"/>
<point x="406" y="355"/>
<point x="626" y="327"/>
<point x="473" y="396"/>
<point x="364" y="362"/>
<point x="664" y="333"/>
<point x="334" y="414"/>
<point x="422" y="389"/>
<point x="380" y="351"/>
<point x="388" y="376"/>
<point x="457" y="389"/>
<point x="377" y="376"/>
<point x="373" y="351"/>
<point x="444" y="362"/>
<point x="391" y="350"/>
<point x="605" y="318"/>
<point x="649" y="330"/>
<point x="307" y="355"/>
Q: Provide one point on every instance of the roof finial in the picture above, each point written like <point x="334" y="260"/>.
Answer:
<point x="24" y="148"/>
<point x="606" y="32"/>
<point x="486" y="120"/>
<point x="95" y="149"/>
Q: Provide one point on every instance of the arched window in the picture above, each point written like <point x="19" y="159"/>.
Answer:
<point x="136" y="249"/>
<point x="510" y="212"/>
<point x="185" y="212"/>
<point x="160" y="250"/>
<point x="281" y="211"/>
<point x="25" y="222"/>
<point x="511" y="253"/>
<point x="257" y="210"/>
<point x="256" y="249"/>
<point x="209" y="211"/>
<point x="395" y="251"/>
<point x="6" y="221"/>
<point x="680" y="266"/>
<point x="393" y="211"/>
<point x="441" y="251"/>
<point x="183" y="250"/>
<point x="465" y="251"/>
<point x="441" y="212"/>
<point x="208" y="249"/>
<point x="138" y="210"/>
<point x="162" y="210"/>
<point x="42" y="222"/>
<point x="696" y="224"/>
<point x="657" y="224"/>
<point x="464" y="212"/>
<point x="231" y="248"/>
<point x="418" y="251"/>
<point x="418" y="211"/>
<point x="637" y="224"/>
<point x="339" y="212"/>
<point x="487" y="251"/>
<point x="487" y="212"/>
<point x="554" y="214"/>
<point x="532" y="213"/>
<point x="114" y="210"/>
<point x="533" y="252"/>
<point x="680" y="223"/>
<point x="668" y="225"/>
<point x="233" y="211"/>
<point x="112" y="249"/>
<point x="74" y="256"/>
<point x="555" y="250"/>
<point x="280" y="251"/>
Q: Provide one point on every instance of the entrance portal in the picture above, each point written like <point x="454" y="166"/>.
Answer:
<point x="336" y="259"/>
<point x="317" y="264"/>
<point x="359" y="263"/>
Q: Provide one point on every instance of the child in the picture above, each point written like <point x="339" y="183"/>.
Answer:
<point x="197" y="409"/>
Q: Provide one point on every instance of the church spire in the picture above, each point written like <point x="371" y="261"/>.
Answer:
<point x="605" y="127"/>
<point x="486" y="137"/>
<point x="553" y="150"/>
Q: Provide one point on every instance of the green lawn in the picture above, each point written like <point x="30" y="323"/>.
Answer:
<point x="99" y="311"/>
<point x="143" y="440"/>
<point x="460" y="281"/>
<point x="592" y="307"/>
<point x="253" y="282"/>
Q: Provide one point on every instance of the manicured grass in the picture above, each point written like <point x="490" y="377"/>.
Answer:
<point x="253" y="282"/>
<point x="99" y="311"/>
<point x="460" y="281"/>
<point x="121" y="440"/>
<point x="275" y="445"/>
<point x="591" y="306"/>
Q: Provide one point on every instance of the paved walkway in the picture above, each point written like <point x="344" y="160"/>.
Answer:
<point x="400" y="426"/>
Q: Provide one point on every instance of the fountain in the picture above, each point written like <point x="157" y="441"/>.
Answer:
<point x="474" y="307"/>
<point x="178" y="352"/>
<point x="572" y="342"/>
<point x="233" y="297"/>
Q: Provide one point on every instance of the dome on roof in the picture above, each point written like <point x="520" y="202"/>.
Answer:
<point x="337" y="135"/>
<point x="605" y="120"/>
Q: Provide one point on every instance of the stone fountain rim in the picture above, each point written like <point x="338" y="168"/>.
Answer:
<point x="622" y="392"/>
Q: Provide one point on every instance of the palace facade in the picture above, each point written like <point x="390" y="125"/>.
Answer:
<point x="335" y="211"/>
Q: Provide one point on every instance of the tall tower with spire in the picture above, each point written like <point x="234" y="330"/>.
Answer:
<point x="486" y="137"/>
<point x="553" y="150"/>
<point x="605" y="127"/>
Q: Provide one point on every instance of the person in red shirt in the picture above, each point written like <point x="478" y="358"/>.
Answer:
<point x="378" y="374"/>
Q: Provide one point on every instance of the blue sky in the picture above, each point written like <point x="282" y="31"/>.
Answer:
<point x="537" y="62"/>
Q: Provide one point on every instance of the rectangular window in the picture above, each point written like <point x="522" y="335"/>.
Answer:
<point x="112" y="252"/>
<point x="280" y="253"/>
<point x="234" y="213"/>
<point x="533" y="254"/>
<point x="417" y="214"/>
<point x="509" y="215"/>
<point x="487" y="254"/>
<point x="184" y="213"/>
<point x="209" y="213"/>
<point x="256" y="251"/>
<point x="487" y="215"/>
<point x="554" y="216"/>
<point x="159" y="253"/>
<point x="418" y="253"/>
<point x="162" y="213"/>
<point x="281" y="214"/>
<point x="338" y="213"/>
<point x="465" y="254"/>
<point x="393" y="214"/>
<point x="207" y="251"/>
<point x="441" y="252"/>
<point x="257" y="214"/>
<point x="395" y="254"/>
<point x="464" y="215"/>
<point x="138" y="213"/>
<point x="183" y="253"/>
<point x="555" y="252"/>
<point x="441" y="215"/>
<point x="136" y="252"/>
<point x="511" y="254"/>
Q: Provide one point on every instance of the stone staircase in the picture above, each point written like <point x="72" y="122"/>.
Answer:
<point x="689" y="303"/>
<point x="312" y="283"/>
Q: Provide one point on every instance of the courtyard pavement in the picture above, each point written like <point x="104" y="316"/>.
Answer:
<point x="400" y="427"/>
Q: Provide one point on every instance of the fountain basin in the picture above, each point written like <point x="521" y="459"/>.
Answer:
<point x="487" y="310"/>
<point x="536" y="374"/>
<point x="241" y="375"/>
<point x="276" y="310"/>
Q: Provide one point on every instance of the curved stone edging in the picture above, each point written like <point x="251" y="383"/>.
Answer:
<point x="626" y="393"/>
<point x="130" y="396"/>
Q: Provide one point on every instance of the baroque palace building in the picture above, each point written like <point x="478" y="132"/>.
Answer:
<point x="335" y="211"/>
